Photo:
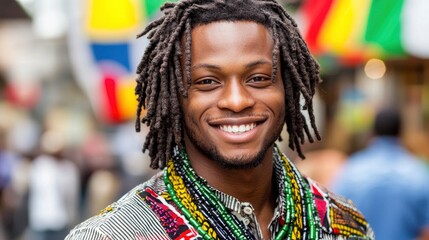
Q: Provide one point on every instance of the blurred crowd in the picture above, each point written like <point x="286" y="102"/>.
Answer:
<point x="48" y="184"/>
<point x="60" y="162"/>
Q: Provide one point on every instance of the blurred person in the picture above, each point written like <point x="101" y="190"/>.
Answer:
<point x="53" y="190"/>
<point x="97" y="157"/>
<point x="13" y="189"/>
<point x="19" y="144"/>
<point x="103" y="188"/>
<point x="387" y="183"/>
<point x="7" y="161"/>
<point x="220" y="79"/>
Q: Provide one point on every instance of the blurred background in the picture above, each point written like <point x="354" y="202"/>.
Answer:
<point x="67" y="142"/>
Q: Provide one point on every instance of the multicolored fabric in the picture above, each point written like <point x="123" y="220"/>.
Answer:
<point x="188" y="201"/>
<point x="174" y="223"/>
<point x="148" y="212"/>
<point x="338" y="215"/>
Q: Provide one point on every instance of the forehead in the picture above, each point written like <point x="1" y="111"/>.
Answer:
<point x="233" y="39"/>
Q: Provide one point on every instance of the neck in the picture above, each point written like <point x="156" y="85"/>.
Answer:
<point x="254" y="185"/>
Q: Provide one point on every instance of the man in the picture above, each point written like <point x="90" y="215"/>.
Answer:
<point x="219" y="79"/>
<point x="388" y="184"/>
<point x="53" y="190"/>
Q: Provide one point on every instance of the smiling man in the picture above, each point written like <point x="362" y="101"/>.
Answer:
<point x="220" y="79"/>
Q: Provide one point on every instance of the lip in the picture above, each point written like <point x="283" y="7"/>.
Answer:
<point x="237" y="121"/>
<point x="238" y="138"/>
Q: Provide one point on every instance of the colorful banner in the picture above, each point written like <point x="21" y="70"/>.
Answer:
<point x="315" y="12"/>
<point x="105" y="52"/>
<point x="342" y="31"/>
<point x="383" y="28"/>
<point x="354" y="30"/>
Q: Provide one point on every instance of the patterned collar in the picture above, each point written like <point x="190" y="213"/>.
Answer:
<point x="237" y="207"/>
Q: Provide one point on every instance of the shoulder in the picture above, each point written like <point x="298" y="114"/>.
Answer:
<point x="339" y="218"/>
<point x="131" y="217"/>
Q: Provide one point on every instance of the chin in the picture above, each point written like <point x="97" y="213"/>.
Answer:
<point x="238" y="161"/>
<point x="231" y="156"/>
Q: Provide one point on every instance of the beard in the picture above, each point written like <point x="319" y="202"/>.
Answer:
<point x="247" y="161"/>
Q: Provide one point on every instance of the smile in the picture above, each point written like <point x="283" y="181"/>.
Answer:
<point x="237" y="129"/>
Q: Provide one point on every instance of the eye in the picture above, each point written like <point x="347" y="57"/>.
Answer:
<point x="259" y="81"/>
<point x="206" y="84"/>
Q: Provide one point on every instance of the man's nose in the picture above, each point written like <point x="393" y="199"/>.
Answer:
<point x="236" y="97"/>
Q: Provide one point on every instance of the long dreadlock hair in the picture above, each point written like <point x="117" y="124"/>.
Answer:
<point x="161" y="73"/>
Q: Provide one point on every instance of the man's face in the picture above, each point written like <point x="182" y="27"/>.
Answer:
<point x="234" y="112"/>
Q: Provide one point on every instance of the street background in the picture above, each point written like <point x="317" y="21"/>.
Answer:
<point x="67" y="70"/>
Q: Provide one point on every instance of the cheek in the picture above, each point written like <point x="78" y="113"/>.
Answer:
<point x="193" y="111"/>
<point x="187" y="113"/>
<point x="197" y="105"/>
<point x="278" y="97"/>
<point x="281" y="109"/>
<point x="274" y="100"/>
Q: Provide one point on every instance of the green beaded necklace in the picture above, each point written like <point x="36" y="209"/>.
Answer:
<point x="289" y="230"/>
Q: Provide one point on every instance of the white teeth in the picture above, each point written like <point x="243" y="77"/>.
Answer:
<point x="242" y="128"/>
<point x="234" y="129"/>
<point x="238" y="129"/>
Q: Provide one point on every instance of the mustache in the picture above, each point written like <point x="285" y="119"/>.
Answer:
<point x="235" y="115"/>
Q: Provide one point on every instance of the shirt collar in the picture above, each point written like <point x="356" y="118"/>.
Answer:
<point x="234" y="204"/>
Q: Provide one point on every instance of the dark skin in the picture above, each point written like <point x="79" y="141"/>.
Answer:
<point x="235" y="110"/>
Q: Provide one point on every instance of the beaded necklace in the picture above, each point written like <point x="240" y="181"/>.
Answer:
<point x="209" y="216"/>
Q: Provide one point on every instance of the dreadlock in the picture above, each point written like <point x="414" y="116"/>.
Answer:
<point x="160" y="73"/>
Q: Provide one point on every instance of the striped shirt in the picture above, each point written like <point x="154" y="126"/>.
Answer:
<point x="140" y="214"/>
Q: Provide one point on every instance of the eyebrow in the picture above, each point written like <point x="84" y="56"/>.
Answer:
<point x="249" y="65"/>
<point x="257" y="63"/>
<point x="205" y="65"/>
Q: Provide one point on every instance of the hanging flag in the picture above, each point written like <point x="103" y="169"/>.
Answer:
<point x="354" y="30"/>
<point x="383" y="29"/>
<point x="342" y="30"/>
<point x="315" y="12"/>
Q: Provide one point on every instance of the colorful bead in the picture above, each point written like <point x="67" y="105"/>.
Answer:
<point x="301" y="213"/>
